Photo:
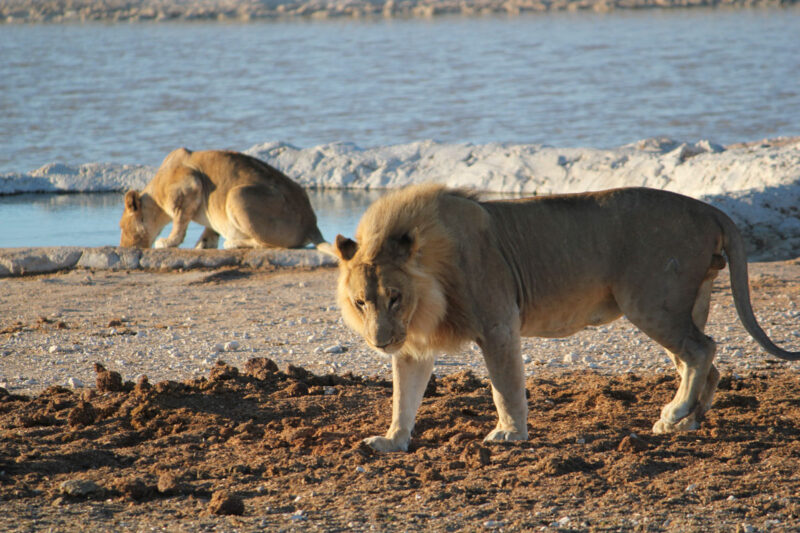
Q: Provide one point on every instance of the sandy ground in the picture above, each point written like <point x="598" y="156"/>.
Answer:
<point x="246" y="445"/>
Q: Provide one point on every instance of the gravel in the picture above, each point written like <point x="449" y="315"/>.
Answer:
<point x="175" y="325"/>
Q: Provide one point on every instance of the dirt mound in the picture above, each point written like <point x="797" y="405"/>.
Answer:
<point x="267" y="448"/>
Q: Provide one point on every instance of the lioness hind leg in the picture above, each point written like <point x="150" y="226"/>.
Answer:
<point x="501" y="352"/>
<point x="209" y="240"/>
<point x="263" y="219"/>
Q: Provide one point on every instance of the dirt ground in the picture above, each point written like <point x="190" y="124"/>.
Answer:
<point x="263" y="446"/>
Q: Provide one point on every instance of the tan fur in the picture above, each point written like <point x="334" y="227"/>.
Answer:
<point x="243" y="199"/>
<point x="433" y="268"/>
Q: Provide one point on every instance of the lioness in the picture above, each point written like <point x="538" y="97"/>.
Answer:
<point x="234" y="195"/>
<point x="432" y="268"/>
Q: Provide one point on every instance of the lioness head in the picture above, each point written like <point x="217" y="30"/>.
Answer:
<point x="139" y="224"/>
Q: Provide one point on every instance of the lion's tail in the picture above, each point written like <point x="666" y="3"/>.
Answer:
<point x="737" y="259"/>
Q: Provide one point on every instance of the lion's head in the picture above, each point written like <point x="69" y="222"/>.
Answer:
<point x="398" y="281"/>
<point x="142" y="220"/>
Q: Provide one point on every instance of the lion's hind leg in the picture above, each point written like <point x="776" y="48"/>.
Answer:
<point x="675" y="317"/>
<point x="699" y="379"/>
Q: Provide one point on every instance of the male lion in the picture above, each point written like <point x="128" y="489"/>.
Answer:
<point x="432" y="268"/>
<point x="234" y="195"/>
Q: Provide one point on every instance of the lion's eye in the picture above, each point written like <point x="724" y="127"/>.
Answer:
<point x="394" y="301"/>
<point x="359" y="303"/>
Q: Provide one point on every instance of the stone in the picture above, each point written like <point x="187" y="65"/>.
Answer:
<point x="79" y="488"/>
<point x="223" y="503"/>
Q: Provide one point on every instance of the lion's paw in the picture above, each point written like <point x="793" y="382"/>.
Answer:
<point x="504" y="435"/>
<point x="161" y="243"/>
<point x="688" y="423"/>
<point x="382" y="444"/>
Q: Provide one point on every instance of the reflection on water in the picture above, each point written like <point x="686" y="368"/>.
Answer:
<point x="92" y="219"/>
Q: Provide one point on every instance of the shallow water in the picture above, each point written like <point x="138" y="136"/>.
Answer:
<point x="130" y="93"/>
<point x="91" y="219"/>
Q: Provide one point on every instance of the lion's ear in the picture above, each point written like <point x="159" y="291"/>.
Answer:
<point x="133" y="201"/>
<point x="345" y="248"/>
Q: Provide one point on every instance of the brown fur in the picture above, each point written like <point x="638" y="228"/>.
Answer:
<point x="248" y="202"/>
<point x="432" y="268"/>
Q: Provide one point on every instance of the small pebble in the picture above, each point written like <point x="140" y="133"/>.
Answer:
<point x="336" y="348"/>
<point x="231" y="346"/>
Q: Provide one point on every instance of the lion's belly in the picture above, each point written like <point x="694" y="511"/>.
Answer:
<point x="568" y="315"/>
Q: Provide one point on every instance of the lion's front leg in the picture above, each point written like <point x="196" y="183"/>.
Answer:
<point x="410" y="376"/>
<point x="501" y="351"/>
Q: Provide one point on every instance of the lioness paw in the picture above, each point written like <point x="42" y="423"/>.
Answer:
<point x="504" y="435"/>
<point x="382" y="444"/>
<point x="161" y="243"/>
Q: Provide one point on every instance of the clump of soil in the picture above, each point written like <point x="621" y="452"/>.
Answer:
<point x="275" y="449"/>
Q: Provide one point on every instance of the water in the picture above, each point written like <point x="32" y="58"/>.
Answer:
<point x="91" y="219"/>
<point x="130" y="93"/>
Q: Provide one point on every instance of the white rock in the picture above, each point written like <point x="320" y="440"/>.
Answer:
<point x="231" y="346"/>
<point x="563" y="521"/>
<point x="74" y="383"/>
<point x="360" y="469"/>
<point x="336" y="348"/>
<point x="219" y="347"/>
<point x="570" y="357"/>
<point x="691" y="488"/>
<point x="54" y="348"/>
<point x="329" y="391"/>
<point x="492" y="524"/>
